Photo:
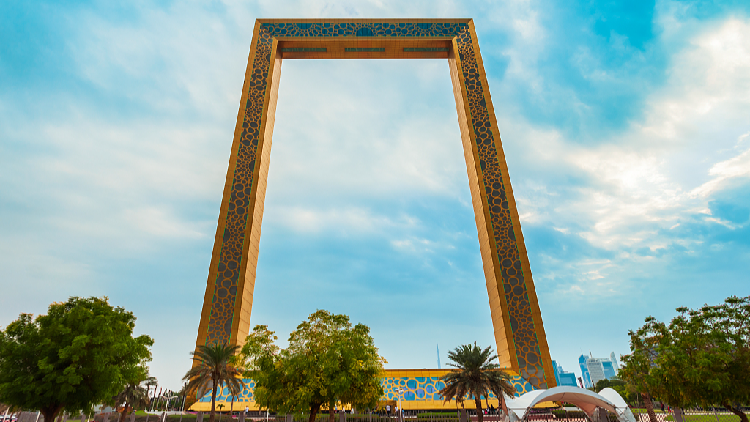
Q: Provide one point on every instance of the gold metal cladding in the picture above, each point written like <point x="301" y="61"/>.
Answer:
<point x="516" y="318"/>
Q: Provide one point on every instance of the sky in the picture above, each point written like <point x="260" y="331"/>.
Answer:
<point x="624" y="124"/>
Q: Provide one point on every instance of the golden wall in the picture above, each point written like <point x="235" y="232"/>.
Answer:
<point x="420" y="387"/>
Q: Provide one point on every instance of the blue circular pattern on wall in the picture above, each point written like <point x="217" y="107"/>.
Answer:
<point x="414" y="389"/>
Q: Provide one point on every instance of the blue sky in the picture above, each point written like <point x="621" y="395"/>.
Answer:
<point x="625" y="127"/>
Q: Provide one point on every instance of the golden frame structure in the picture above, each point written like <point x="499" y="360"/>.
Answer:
<point x="516" y="318"/>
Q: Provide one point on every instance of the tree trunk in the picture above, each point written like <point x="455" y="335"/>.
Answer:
<point x="503" y="406"/>
<point x="679" y="415"/>
<point x="50" y="413"/>
<point x="330" y="412"/>
<point x="480" y="414"/>
<point x="313" y="412"/>
<point x="649" y="407"/>
<point x="212" y="416"/>
<point x="124" y="410"/>
<point x="736" y="411"/>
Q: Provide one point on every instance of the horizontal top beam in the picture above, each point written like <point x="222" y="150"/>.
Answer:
<point x="421" y="20"/>
<point x="363" y="48"/>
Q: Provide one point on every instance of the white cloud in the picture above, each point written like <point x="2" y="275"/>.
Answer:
<point x="372" y="148"/>
<point x="420" y="245"/>
<point x="631" y="191"/>
<point x="638" y="178"/>
<point x="342" y="221"/>
<point x="116" y="182"/>
<point x="581" y="278"/>
<point x="722" y="172"/>
<point x="160" y="222"/>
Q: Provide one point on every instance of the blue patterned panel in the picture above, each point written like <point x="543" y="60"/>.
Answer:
<point x="416" y="389"/>
<point x="426" y="388"/>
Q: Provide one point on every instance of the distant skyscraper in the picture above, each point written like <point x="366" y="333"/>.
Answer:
<point x="597" y="369"/>
<point x="438" y="353"/>
<point x="562" y="377"/>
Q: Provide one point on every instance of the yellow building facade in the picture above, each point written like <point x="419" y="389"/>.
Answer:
<point x="418" y="387"/>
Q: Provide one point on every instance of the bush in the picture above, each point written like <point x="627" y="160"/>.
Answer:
<point x="428" y="415"/>
<point x="573" y="414"/>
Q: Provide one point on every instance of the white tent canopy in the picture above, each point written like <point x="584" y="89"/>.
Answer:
<point x="586" y="400"/>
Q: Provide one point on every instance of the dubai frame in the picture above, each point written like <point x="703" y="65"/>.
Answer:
<point x="521" y="341"/>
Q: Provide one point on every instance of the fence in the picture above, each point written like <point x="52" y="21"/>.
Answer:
<point x="713" y="415"/>
<point x="425" y="416"/>
<point x="562" y="415"/>
<point x="368" y="417"/>
<point x="29" y="417"/>
<point x="535" y="415"/>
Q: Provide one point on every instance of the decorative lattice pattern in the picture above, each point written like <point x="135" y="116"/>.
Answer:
<point x="230" y="262"/>
<point x="225" y="293"/>
<point x="364" y="29"/>
<point x="416" y="389"/>
<point x="516" y="295"/>
<point x="224" y="396"/>
<point x="426" y="388"/>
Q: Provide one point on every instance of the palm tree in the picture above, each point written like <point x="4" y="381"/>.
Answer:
<point x="150" y="382"/>
<point x="475" y="375"/>
<point x="214" y="366"/>
<point x="134" y="394"/>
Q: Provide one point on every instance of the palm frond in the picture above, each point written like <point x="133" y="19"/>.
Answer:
<point x="215" y="367"/>
<point x="476" y="375"/>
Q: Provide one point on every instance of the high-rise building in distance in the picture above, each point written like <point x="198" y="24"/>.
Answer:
<point x="594" y="369"/>
<point x="562" y="377"/>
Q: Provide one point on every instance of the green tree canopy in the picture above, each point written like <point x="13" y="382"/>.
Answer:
<point x="78" y="355"/>
<point x="328" y="361"/>
<point x="636" y="367"/>
<point x="476" y="374"/>
<point x="215" y="367"/>
<point x="618" y="385"/>
<point x="701" y="358"/>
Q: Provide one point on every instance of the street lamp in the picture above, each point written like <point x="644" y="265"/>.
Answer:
<point x="400" y="390"/>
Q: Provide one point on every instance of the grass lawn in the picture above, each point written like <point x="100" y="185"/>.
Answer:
<point x="692" y="417"/>
<point x="708" y="418"/>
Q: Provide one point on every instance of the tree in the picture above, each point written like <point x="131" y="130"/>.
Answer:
<point x="700" y="358"/>
<point x="618" y="385"/>
<point x="475" y="375"/>
<point x="637" y="367"/>
<point x="150" y="382"/>
<point x="78" y="355"/>
<point x="704" y="357"/>
<point x="327" y="362"/>
<point x="215" y="367"/>
<point x="135" y="392"/>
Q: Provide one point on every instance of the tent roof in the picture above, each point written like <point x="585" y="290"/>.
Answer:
<point x="586" y="400"/>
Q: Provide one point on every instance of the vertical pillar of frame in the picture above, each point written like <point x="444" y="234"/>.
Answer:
<point x="519" y="332"/>
<point x="244" y="304"/>
<point x="506" y="350"/>
<point x="536" y="313"/>
<point x="228" y="300"/>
